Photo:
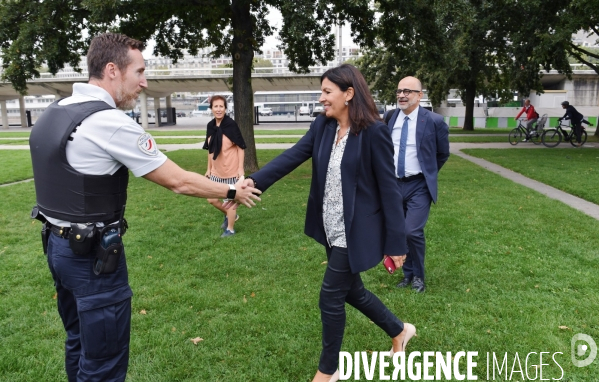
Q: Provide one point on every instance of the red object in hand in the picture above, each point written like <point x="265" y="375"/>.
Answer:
<point x="389" y="265"/>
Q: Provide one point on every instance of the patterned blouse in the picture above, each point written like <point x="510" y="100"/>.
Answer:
<point x="332" y="210"/>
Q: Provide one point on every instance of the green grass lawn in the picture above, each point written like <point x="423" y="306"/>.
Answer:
<point x="177" y="141"/>
<point x="276" y="140"/>
<point x="176" y="133"/>
<point x="14" y="141"/>
<point x="459" y="130"/>
<point x="504" y="272"/>
<point x="280" y="132"/>
<point x="16" y="165"/>
<point x="13" y="134"/>
<point x="202" y="133"/>
<point x="479" y="139"/>
<point x="573" y="171"/>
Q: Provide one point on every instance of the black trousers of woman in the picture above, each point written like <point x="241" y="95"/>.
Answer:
<point x="339" y="286"/>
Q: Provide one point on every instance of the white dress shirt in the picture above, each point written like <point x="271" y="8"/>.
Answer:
<point x="412" y="164"/>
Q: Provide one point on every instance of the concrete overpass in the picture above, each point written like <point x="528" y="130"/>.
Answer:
<point x="163" y="83"/>
<point x="584" y="86"/>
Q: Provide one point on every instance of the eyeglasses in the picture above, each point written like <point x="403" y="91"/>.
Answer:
<point x="406" y="92"/>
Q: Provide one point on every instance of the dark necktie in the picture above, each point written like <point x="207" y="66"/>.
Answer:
<point x="401" y="157"/>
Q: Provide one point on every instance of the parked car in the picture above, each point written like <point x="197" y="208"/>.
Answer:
<point x="265" y="111"/>
<point x="317" y="110"/>
<point x="180" y="114"/>
<point x="304" y="110"/>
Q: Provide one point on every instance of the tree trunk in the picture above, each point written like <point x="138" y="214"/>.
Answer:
<point x="243" y="96"/>
<point x="469" y="98"/>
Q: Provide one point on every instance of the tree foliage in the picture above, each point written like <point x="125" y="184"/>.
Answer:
<point x="50" y="32"/>
<point x="480" y="47"/>
<point x="582" y="15"/>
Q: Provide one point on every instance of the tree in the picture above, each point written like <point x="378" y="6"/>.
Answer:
<point x="480" y="47"/>
<point x="33" y="32"/>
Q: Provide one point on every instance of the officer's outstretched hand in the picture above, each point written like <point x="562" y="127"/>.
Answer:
<point x="245" y="194"/>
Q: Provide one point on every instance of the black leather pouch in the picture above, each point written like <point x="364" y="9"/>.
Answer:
<point x="82" y="238"/>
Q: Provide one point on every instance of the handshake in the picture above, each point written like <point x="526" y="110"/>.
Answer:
<point x="245" y="193"/>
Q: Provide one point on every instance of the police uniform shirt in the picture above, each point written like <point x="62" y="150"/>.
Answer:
<point x="107" y="140"/>
<point x="412" y="163"/>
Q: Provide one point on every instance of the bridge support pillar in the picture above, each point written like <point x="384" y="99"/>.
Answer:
<point x="4" y="114"/>
<point x="168" y="102"/>
<point x="22" y="111"/>
<point x="156" y="113"/>
<point x="143" y="106"/>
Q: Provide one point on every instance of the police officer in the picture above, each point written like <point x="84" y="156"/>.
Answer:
<point x="82" y="150"/>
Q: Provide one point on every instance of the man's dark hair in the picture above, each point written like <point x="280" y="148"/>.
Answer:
<point x="216" y="97"/>
<point x="362" y="109"/>
<point x="110" y="47"/>
<point x="565" y="103"/>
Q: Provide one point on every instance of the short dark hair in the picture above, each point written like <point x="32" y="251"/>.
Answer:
<point x="215" y="97"/>
<point x="362" y="109"/>
<point x="565" y="103"/>
<point x="110" y="47"/>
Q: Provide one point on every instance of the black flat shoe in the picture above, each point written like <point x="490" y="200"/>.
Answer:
<point x="418" y="285"/>
<point x="405" y="282"/>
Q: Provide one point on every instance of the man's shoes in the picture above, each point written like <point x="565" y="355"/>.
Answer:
<point x="226" y="222"/>
<point x="227" y="233"/>
<point x="418" y="284"/>
<point x="405" y="282"/>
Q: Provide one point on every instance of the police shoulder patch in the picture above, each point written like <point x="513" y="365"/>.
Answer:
<point x="147" y="145"/>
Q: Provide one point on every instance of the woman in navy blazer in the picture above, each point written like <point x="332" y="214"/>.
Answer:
<point x="354" y="208"/>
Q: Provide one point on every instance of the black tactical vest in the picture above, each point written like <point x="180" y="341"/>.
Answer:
<point x="61" y="191"/>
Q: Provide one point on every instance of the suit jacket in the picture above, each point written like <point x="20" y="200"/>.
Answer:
<point x="432" y="145"/>
<point x="372" y="207"/>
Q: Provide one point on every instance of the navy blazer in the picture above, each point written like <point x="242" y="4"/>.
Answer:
<point x="372" y="207"/>
<point x="432" y="145"/>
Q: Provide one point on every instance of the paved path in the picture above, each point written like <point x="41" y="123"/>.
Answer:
<point x="582" y="205"/>
<point x="575" y="202"/>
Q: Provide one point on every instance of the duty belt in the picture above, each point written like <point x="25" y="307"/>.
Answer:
<point x="60" y="231"/>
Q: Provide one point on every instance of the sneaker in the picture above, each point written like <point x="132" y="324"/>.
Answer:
<point x="405" y="282"/>
<point x="227" y="233"/>
<point x="418" y="284"/>
<point x="226" y="222"/>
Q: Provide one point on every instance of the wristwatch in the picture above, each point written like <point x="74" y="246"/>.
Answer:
<point x="232" y="191"/>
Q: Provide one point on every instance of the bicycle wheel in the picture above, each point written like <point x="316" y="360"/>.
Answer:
<point x="515" y="136"/>
<point x="583" y="138"/>
<point x="551" y="138"/>
<point x="535" y="138"/>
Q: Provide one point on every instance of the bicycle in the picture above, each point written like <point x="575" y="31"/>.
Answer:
<point x="516" y="134"/>
<point x="553" y="137"/>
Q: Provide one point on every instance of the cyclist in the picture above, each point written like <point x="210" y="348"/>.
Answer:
<point x="576" y="119"/>
<point x="531" y="115"/>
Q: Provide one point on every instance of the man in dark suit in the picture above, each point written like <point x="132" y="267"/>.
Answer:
<point x="421" y="142"/>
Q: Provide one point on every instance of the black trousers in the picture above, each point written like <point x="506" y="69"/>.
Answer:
<point x="96" y="314"/>
<point x="577" y="127"/>
<point x="339" y="286"/>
